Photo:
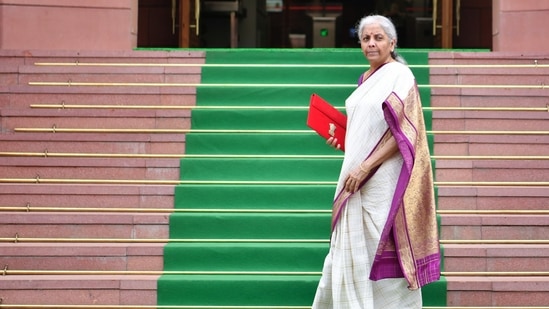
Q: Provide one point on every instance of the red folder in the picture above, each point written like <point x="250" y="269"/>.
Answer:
<point x="326" y="120"/>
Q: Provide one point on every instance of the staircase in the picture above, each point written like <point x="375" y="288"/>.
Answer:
<point x="87" y="173"/>
<point x="112" y="196"/>
<point x="260" y="236"/>
<point x="494" y="227"/>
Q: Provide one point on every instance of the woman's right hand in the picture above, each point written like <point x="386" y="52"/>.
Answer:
<point x="332" y="141"/>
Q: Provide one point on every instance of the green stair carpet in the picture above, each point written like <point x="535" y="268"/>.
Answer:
<point x="253" y="217"/>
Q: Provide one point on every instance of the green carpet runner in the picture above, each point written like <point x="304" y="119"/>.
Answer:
<point x="253" y="214"/>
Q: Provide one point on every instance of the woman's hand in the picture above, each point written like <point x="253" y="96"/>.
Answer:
<point x="332" y="141"/>
<point x="356" y="177"/>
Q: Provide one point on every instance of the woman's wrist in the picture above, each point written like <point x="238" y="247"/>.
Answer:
<point x="362" y="168"/>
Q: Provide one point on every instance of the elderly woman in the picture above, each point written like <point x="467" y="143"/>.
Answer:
<point x="384" y="244"/>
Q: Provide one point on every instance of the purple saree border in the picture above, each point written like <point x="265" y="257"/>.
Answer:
<point x="381" y="267"/>
<point x="427" y="268"/>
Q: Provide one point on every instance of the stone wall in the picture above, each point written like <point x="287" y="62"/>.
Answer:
<point x="68" y="24"/>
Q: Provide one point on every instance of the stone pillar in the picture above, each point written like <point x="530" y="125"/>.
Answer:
<point x="68" y="24"/>
<point x="520" y="26"/>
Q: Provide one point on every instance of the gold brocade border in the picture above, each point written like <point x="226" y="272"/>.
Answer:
<point x="415" y="226"/>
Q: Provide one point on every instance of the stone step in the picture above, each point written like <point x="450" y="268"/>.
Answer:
<point x="491" y="58"/>
<point x="492" y="198"/>
<point x="82" y="256"/>
<point x="84" y="225"/>
<point x="500" y="75"/>
<point x="90" y="168"/>
<point x="489" y="76"/>
<point x="127" y="69"/>
<point x="494" y="227"/>
<point x="31" y="57"/>
<point x="492" y="170"/>
<point x="520" y="292"/>
<point x="490" y="121"/>
<point x="86" y="289"/>
<point x="491" y="145"/>
<point x="118" y="143"/>
<point x="496" y="258"/>
<point x="239" y="75"/>
<point x="138" y="76"/>
<point x="482" y="100"/>
<point x="87" y="196"/>
<point x="96" y="119"/>
<point x="22" y="100"/>
<point x="161" y="196"/>
<point x="521" y="73"/>
<point x="10" y="64"/>
<point x="227" y="226"/>
<point x="105" y="118"/>
<point x="532" y="91"/>
<point x="69" y="90"/>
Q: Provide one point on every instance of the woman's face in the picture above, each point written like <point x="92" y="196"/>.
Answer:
<point x="376" y="45"/>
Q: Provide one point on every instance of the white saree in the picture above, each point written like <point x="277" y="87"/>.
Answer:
<point x="345" y="282"/>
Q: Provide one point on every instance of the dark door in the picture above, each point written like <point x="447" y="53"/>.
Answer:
<point x="462" y="23"/>
<point x="474" y="25"/>
<point x="158" y="23"/>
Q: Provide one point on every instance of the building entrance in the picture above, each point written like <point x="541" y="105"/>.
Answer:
<point x="310" y="23"/>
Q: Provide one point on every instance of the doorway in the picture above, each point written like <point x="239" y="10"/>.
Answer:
<point x="168" y="23"/>
<point x="158" y="23"/>
<point x="420" y="23"/>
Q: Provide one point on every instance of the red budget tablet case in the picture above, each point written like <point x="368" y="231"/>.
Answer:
<point x="326" y="120"/>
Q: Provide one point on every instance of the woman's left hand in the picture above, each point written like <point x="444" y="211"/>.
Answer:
<point x="355" y="178"/>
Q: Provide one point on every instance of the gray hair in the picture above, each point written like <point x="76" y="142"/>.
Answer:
<point x="387" y="25"/>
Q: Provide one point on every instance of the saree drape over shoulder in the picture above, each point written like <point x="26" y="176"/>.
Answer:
<point x="386" y="230"/>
